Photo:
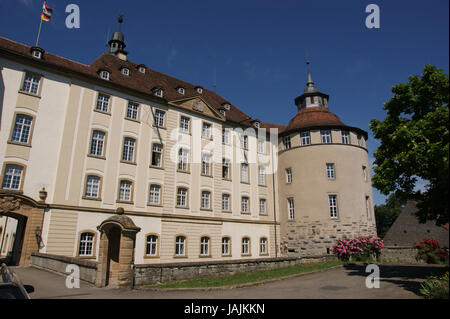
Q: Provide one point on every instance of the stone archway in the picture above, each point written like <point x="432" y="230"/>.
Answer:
<point x="30" y="217"/>
<point x="116" y="253"/>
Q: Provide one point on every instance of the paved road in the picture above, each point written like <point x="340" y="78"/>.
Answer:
<point x="396" y="282"/>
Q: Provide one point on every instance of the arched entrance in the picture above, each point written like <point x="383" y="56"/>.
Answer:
<point x="27" y="215"/>
<point x="116" y="254"/>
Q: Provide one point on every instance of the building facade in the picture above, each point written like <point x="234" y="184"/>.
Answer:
<point x="121" y="164"/>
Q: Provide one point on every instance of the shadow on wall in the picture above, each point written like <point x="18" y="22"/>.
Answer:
<point x="407" y="277"/>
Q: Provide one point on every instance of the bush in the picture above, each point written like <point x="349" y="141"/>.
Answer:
<point x="358" y="249"/>
<point x="430" y="251"/>
<point x="435" y="287"/>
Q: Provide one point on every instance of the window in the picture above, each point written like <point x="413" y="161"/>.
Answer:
<point x="204" y="246"/>
<point x="227" y="106"/>
<point x="22" y="129"/>
<point x="261" y="146"/>
<point x="92" y="186"/>
<point x="330" y="171"/>
<point x="206" y="131"/>
<point x="182" y="197"/>
<point x="332" y="200"/>
<point x="368" y="206"/>
<point x="244" y="141"/>
<point x="288" y="175"/>
<point x="183" y="160"/>
<point x="245" y="205"/>
<point x="262" y="206"/>
<point x="155" y="195"/>
<point x="157" y="155"/>
<point x="226" y="243"/>
<point x="125" y="191"/>
<point x="206" y="164"/>
<point x="306" y="138"/>
<point x="184" y="124"/>
<point x="180" y="243"/>
<point x="262" y="176"/>
<point x="181" y="90"/>
<point x="199" y="90"/>
<point x="226" y="202"/>
<point x="132" y="110"/>
<point x="104" y="75"/>
<point x="226" y="168"/>
<point x="206" y="196"/>
<point x="257" y="124"/>
<point x="37" y="54"/>
<point x="287" y="142"/>
<point x="245" y="246"/>
<point x="159" y="92"/>
<point x="86" y="244"/>
<point x="223" y="112"/>
<point x="225" y="136"/>
<point x="359" y="137"/>
<point x="159" y="118"/>
<point x="125" y="71"/>
<point x="345" y="137"/>
<point x="244" y="173"/>
<point x="142" y="69"/>
<point x="97" y="142"/>
<point x="102" y="103"/>
<point x="263" y="246"/>
<point x="364" y="171"/>
<point x="128" y="149"/>
<point x="12" y="177"/>
<point x="31" y="83"/>
<point x="291" y="214"/>
<point x="326" y="136"/>
<point x="151" y="248"/>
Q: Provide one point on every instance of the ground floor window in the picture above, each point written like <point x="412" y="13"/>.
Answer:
<point x="86" y="244"/>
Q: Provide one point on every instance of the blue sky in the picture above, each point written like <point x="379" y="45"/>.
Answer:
<point x="256" y="50"/>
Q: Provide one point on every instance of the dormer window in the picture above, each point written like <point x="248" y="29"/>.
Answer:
<point x="199" y="90"/>
<point x="181" y="90"/>
<point x="257" y="124"/>
<point x="226" y="106"/>
<point x="222" y="112"/>
<point x="158" y="92"/>
<point x="125" y="71"/>
<point x="104" y="75"/>
<point x="37" y="54"/>
<point x="142" y="69"/>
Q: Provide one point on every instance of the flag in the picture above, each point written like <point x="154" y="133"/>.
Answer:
<point x="46" y="12"/>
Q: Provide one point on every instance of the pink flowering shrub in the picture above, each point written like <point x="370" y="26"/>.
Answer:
<point x="430" y="251"/>
<point x="358" y="249"/>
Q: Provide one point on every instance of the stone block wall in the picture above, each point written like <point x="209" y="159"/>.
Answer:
<point x="163" y="273"/>
<point x="88" y="268"/>
<point x="400" y="254"/>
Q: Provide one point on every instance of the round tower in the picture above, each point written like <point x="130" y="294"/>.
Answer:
<point x="325" y="190"/>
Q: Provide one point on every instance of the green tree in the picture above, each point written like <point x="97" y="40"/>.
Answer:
<point x="386" y="214"/>
<point x="414" y="144"/>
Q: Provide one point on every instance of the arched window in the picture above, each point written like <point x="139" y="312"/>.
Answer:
<point x="182" y="200"/>
<point x="86" y="247"/>
<point x="151" y="245"/>
<point x="204" y="246"/>
<point x="12" y="177"/>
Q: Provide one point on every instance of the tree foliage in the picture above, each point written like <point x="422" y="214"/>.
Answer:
<point x="414" y="146"/>
<point x="386" y="214"/>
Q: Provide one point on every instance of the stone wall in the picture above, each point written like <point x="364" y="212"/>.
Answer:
<point x="163" y="273"/>
<point x="400" y="254"/>
<point x="58" y="264"/>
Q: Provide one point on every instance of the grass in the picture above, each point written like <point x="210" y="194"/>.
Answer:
<point x="246" y="277"/>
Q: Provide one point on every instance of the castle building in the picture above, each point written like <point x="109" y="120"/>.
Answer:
<point x="117" y="163"/>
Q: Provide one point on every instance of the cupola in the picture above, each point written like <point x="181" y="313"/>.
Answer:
<point x="311" y="96"/>
<point x="117" y="43"/>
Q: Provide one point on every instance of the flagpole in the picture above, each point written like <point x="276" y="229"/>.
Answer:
<point x="39" y="33"/>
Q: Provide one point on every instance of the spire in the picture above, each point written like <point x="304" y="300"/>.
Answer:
<point x="310" y="84"/>
<point x="117" y="42"/>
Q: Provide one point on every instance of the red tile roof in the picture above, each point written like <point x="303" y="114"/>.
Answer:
<point x="136" y="81"/>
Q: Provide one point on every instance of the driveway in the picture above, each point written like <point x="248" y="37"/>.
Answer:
<point x="347" y="282"/>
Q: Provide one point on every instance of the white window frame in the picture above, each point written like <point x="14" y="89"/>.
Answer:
<point x="306" y="138"/>
<point x="154" y="197"/>
<point x="22" y="128"/>
<point x="157" y="154"/>
<point x="185" y="124"/>
<point x="103" y="102"/>
<point x="245" y="246"/>
<point x="12" y="177"/>
<point x="325" y="136"/>
<point x="125" y="190"/>
<point x="104" y="75"/>
<point x="206" y="164"/>
<point x="262" y="176"/>
<point x="330" y="171"/>
<point x="159" y="118"/>
<point x="204" y="246"/>
<point x="333" y="205"/>
<point x="132" y="110"/>
<point x="129" y="146"/>
<point x="245" y="206"/>
<point x="183" y="159"/>
<point x="288" y="175"/>
<point x="182" y="197"/>
<point x="226" y="202"/>
<point x="31" y="83"/>
<point x="226" y="246"/>
<point x="126" y="71"/>
<point x="226" y="136"/>
<point x="262" y="206"/>
<point x="226" y="168"/>
<point x="263" y="246"/>
<point x="345" y="137"/>
<point x="86" y="248"/>
<point x="151" y="245"/>
<point x="92" y="186"/>
<point x="180" y="246"/>
<point x="244" y="173"/>
<point x="291" y="208"/>
<point x="206" y="130"/>
<point x="206" y="200"/>
<point x="286" y="142"/>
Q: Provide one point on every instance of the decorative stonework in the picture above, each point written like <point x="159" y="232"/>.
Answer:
<point x="8" y="204"/>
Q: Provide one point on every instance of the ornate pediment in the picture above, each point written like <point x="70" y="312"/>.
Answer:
<point x="8" y="204"/>
<point x="198" y="105"/>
